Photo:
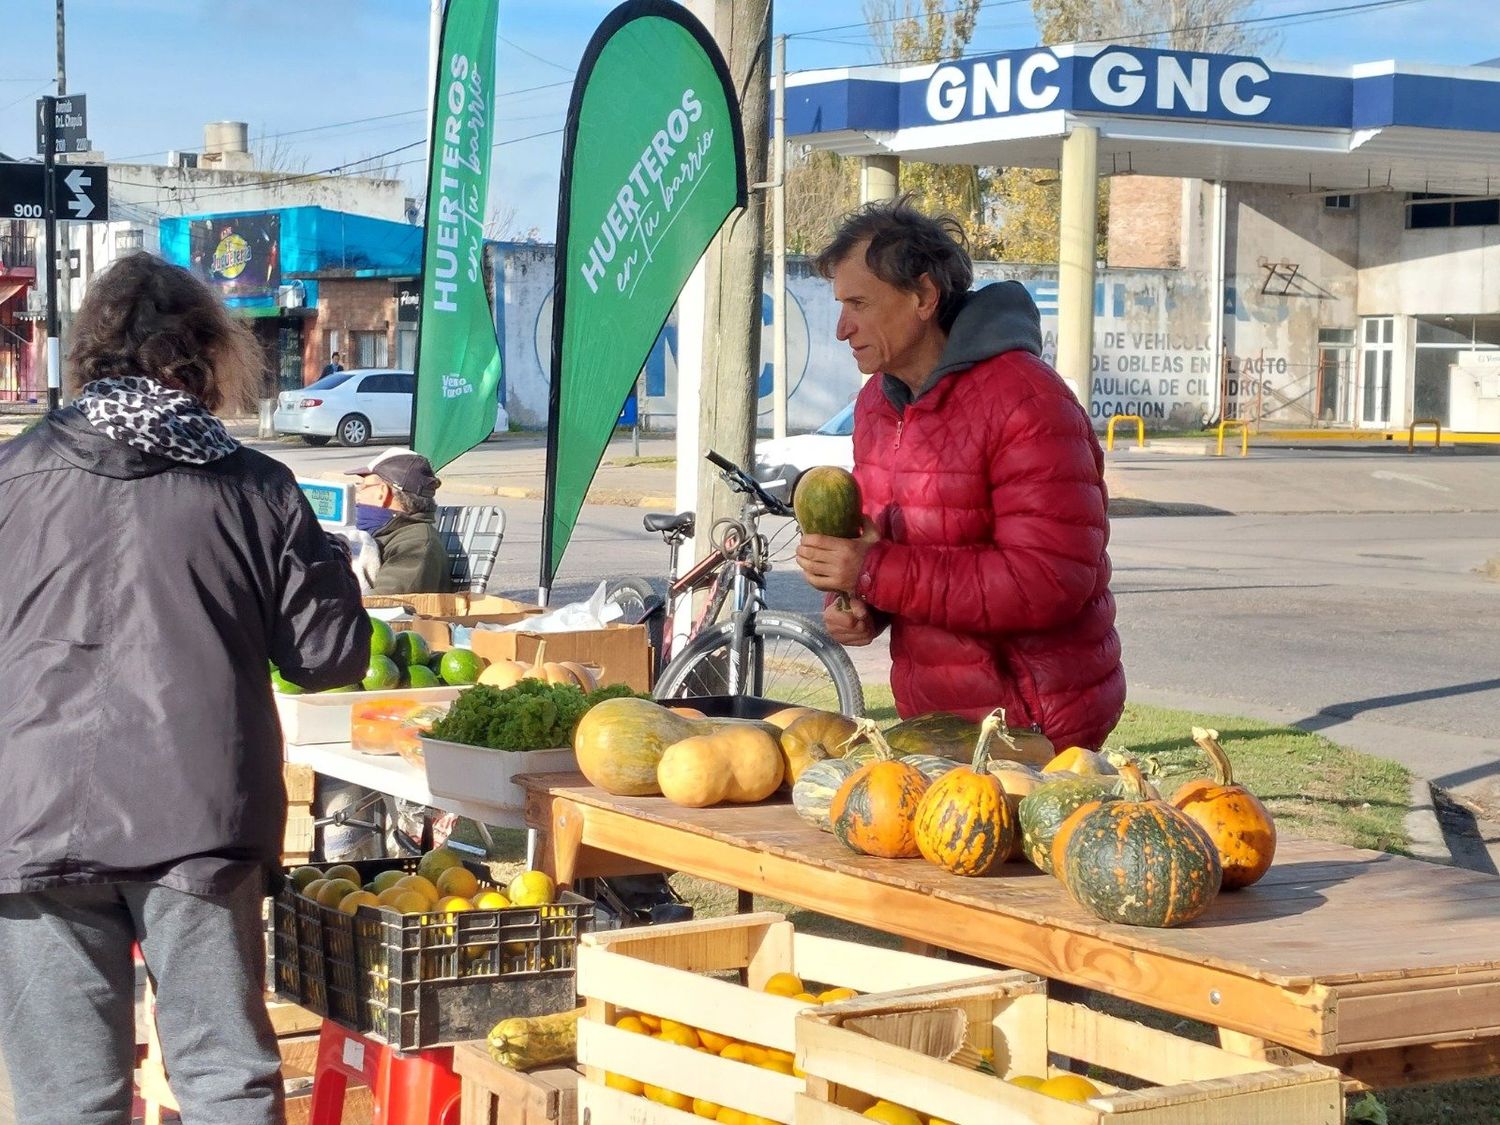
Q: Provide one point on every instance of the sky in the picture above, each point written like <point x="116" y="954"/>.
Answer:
<point x="330" y="83"/>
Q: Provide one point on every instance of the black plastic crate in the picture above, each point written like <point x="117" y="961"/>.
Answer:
<point x="729" y="706"/>
<point x="425" y="980"/>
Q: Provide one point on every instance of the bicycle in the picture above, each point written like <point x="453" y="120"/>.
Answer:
<point x="755" y="650"/>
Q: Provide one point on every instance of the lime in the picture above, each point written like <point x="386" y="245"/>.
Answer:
<point x="419" y="675"/>
<point x="381" y="674"/>
<point x="460" y="666"/>
<point x="382" y="638"/>
<point x="387" y="879"/>
<point x="351" y="687"/>
<point x="283" y="686"/>
<point x="410" y="649"/>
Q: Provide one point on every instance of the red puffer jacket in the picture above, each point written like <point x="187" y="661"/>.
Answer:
<point x="987" y="489"/>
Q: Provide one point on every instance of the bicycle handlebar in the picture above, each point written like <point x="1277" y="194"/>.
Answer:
<point x="741" y="481"/>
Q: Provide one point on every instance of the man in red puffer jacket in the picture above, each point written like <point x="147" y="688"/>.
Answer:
<point x="983" y="486"/>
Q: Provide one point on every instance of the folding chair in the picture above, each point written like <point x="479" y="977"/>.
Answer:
<point x="472" y="538"/>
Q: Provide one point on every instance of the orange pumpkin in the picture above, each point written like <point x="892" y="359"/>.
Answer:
<point x="874" y="810"/>
<point x="813" y="738"/>
<point x="1234" y="818"/>
<point x="964" y="823"/>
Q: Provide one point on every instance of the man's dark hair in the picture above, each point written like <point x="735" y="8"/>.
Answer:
<point x="903" y="245"/>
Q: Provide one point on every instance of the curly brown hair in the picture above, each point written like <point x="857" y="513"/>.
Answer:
<point x="143" y="316"/>
<point x="902" y="245"/>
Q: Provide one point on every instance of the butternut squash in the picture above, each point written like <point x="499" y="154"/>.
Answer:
<point x="527" y="1042"/>
<point x="741" y="765"/>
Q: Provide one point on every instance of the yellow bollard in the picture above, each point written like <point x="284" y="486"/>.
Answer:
<point x="1140" y="431"/>
<point x="1411" y="433"/>
<point x="1244" y="436"/>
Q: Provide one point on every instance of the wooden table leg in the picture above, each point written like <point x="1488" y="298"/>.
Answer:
<point x="566" y="839"/>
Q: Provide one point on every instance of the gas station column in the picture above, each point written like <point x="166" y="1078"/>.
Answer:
<point x="879" y="178"/>
<point x="1077" y="258"/>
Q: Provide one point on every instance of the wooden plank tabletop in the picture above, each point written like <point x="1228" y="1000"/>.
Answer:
<point x="1357" y="948"/>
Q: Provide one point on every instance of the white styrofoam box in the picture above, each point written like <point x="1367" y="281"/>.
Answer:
<point x="455" y="769"/>
<point x="316" y="718"/>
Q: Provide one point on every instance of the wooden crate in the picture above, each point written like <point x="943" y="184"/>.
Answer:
<point x="658" y="970"/>
<point x="497" y="1095"/>
<point x="296" y="1037"/>
<point x="850" y="1054"/>
<point x="297" y="842"/>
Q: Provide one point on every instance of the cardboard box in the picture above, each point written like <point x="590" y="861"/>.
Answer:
<point x="622" y="651"/>
<point x="450" y="605"/>
<point x="438" y="631"/>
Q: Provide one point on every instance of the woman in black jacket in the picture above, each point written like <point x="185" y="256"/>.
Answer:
<point x="155" y="568"/>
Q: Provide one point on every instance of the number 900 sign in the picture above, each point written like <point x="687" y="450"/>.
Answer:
<point x="27" y="211"/>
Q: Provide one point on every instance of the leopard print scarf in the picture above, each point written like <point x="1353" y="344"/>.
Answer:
<point x="148" y="416"/>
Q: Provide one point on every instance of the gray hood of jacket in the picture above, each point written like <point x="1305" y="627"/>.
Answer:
<point x="998" y="318"/>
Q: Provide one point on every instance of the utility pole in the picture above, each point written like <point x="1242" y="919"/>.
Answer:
<point x="55" y="273"/>
<point x="62" y="64"/>
<point x="735" y="271"/>
<point x="779" y="388"/>
<point x="49" y="220"/>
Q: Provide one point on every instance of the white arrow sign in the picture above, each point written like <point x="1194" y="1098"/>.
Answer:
<point x="78" y="183"/>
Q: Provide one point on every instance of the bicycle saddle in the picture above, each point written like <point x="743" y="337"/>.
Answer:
<point x="667" y="523"/>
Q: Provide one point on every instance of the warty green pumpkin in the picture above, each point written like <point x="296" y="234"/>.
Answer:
<point x="1140" y="861"/>
<point x="964" y="822"/>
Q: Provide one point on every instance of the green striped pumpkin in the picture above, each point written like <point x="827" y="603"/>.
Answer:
<point x="813" y="792"/>
<point x="1140" y="861"/>
<point x="1043" y="811"/>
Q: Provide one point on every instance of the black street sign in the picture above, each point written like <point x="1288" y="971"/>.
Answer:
<point x="69" y="121"/>
<point x="82" y="191"/>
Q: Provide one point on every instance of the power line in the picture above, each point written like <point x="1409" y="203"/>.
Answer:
<point x="343" y="124"/>
<point x="534" y="55"/>
<point x="220" y="191"/>
<point x="812" y="31"/>
<point x="1289" y="18"/>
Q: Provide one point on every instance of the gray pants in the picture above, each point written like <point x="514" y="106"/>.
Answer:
<point x="67" y="1003"/>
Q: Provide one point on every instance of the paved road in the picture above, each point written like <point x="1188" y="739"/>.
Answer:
<point x="1371" y="625"/>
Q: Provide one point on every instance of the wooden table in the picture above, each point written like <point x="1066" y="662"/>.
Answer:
<point x="1387" y="968"/>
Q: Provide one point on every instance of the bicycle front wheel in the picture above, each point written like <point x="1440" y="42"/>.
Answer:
<point x="789" y="659"/>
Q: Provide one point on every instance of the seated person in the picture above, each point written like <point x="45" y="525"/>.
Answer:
<point x="396" y="504"/>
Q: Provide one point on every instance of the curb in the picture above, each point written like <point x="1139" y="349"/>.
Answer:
<point x="1423" y="828"/>
<point x="616" y="497"/>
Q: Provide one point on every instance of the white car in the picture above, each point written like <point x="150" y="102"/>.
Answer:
<point x="355" y="407"/>
<point x="782" y="459"/>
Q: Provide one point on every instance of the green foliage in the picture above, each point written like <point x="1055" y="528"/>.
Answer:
<point x="532" y="715"/>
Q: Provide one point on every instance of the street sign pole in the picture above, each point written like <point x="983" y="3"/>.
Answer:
<point x="49" y="215"/>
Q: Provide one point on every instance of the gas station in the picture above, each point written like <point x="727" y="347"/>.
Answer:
<point x="1328" y="234"/>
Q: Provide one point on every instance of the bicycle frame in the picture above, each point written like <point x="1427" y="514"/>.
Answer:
<point x="736" y="566"/>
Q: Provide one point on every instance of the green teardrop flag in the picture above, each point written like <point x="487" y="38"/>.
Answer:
<point x="653" y="163"/>
<point x="458" y="356"/>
